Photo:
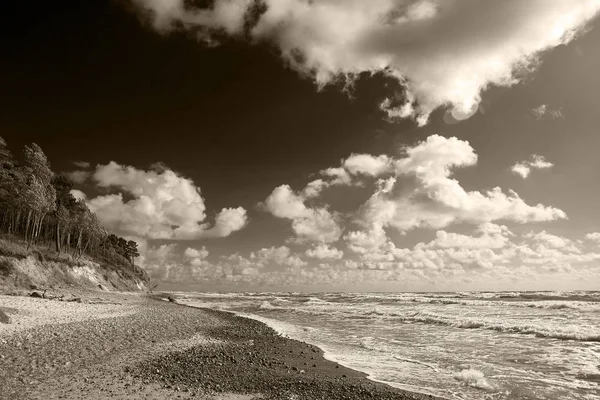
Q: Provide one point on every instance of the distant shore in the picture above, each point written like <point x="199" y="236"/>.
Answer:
<point x="131" y="346"/>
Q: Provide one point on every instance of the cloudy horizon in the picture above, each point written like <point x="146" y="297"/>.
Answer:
<point x="325" y="146"/>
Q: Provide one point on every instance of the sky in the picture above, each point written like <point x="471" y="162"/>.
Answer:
<point x="288" y="145"/>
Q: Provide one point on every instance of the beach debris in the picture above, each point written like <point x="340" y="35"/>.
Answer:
<point x="5" y="318"/>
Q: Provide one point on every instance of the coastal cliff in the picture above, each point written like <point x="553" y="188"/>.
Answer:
<point x="39" y="269"/>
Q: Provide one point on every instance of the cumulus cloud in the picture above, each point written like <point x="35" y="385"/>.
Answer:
<point x="442" y="53"/>
<point x="367" y="241"/>
<point x="195" y="256"/>
<point x="492" y="252"/>
<point x="422" y="193"/>
<point x="491" y="255"/>
<point x="491" y="236"/>
<point x="324" y="252"/>
<point x="546" y="239"/>
<point x="523" y="168"/>
<point x="158" y="261"/>
<point x="594" y="236"/>
<point x="313" y="224"/>
<point x="157" y="205"/>
<point x="279" y="255"/>
<point x="544" y="112"/>
<point x="415" y="190"/>
<point x="366" y="164"/>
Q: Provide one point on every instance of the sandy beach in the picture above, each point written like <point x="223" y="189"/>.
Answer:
<point x="130" y="346"/>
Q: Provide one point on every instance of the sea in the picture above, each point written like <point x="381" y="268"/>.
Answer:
<point x="460" y="345"/>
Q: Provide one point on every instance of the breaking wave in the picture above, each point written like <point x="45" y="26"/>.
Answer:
<point x="566" y="333"/>
<point x="474" y="378"/>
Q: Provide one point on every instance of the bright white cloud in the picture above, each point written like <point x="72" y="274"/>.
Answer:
<point x="324" y="252"/>
<point x="78" y="194"/>
<point x="157" y="260"/>
<point x="523" y="168"/>
<point x="552" y="241"/>
<point x="443" y="53"/>
<point x="163" y="205"/>
<point x="314" y="224"/>
<point x="366" y="164"/>
<point x="337" y="175"/>
<point x="594" y="236"/>
<point x="279" y="255"/>
<point x="416" y="190"/>
<point x="422" y="193"/>
<point x="491" y="236"/>
<point x="492" y="255"/>
<point x="493" y="252"/>
<point x="195" y="256"/>
<point x="367" y="241"/>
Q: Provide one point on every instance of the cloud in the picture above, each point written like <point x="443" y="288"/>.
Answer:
<point x="158" y="261"/>
<point x="281" y="256"/>
<point x="543" y="112"/>
<point x="313" y="224"/>
<point x="594" y="236"/>
<point x="78" y="194"/>
<point x="81" y="164"/>
<point x="492" y="236"/>
<point x="159" y="205"/>
<point x="367" y="241"/>
<point x="415" y="190"/>
<point x="78" y="176"/>
<point x="226" y="15"/>
<point x="194" y="256"/>
<point x="491" y="256"/>
<point x="324" y="252"/>
<point x="523" y="168"/>
<point x="546" y="239"/>
<point x="442" y="53"/>
<point x="366" y="164"/>
<point x="422" y="193"/>
<point x="493" y="252"/>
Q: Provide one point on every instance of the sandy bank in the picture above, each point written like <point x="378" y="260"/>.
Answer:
<point x="136" y="347"/>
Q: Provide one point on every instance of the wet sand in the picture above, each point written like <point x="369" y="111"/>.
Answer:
<point x="124" y="346"/>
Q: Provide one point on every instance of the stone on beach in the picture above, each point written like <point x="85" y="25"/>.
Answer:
<point x="4" y="317"/>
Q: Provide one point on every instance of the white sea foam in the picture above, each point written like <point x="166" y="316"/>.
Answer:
<point x="445" y="341"/>
<point x="550" y="330"/>
<point x="474" y="378"/>
<point x="415" y="362"/>
<point x="265" y="305"/>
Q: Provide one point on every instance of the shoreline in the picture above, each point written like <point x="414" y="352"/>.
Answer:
<point x="162" y="350"/>
<point x="330" y="357"/>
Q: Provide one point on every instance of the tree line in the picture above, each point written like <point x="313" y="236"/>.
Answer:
<point x="36" y="205"/>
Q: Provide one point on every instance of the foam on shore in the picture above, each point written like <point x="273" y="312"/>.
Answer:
<point x="294" y="332"/>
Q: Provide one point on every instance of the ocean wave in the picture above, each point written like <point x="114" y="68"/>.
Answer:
<point x="316" y="300"/>
<point x="547" y="304"/>
<point x="570" y="333"/>
<point x="265" y="305"/>
<point x="416" y="362"/>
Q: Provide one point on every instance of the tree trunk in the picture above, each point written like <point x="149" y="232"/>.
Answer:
<point x="78" y="246"/>
<point x="58" y="238"/>
<point x="27" y="226"/>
